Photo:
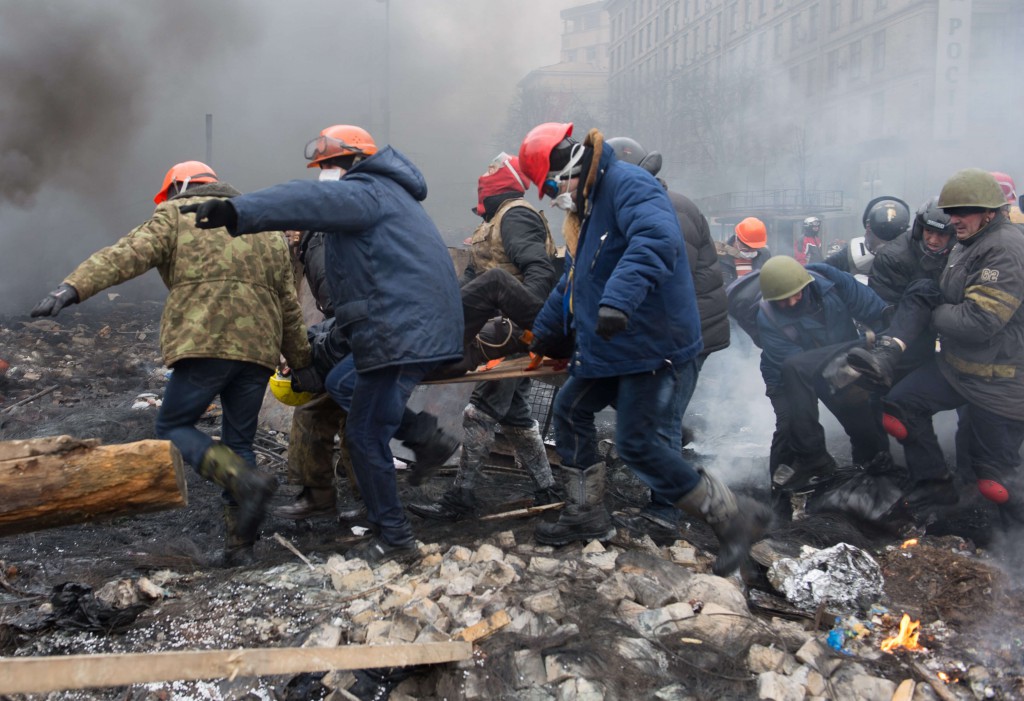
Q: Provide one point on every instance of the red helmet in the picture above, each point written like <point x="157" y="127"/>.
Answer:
<point x="185" y="172"/>
<point x="1006" y="183"/>
<point x="339" y="140"/>
<point x="535" y="151"/>
<point x="503" y="175"/>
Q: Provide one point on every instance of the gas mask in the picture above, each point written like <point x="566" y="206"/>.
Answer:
<point x="329" y="174"/>
<point x="565" y="200"/>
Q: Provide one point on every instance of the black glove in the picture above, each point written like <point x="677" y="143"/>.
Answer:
<point x="558" y="347"/>
<point x="52" y="303"/>
<point x="610" y="321"/>
<point x="214" y="213"/>
<point x="306" y="380"/>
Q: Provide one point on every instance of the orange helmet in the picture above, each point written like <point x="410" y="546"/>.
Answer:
<point x="1006" y="183"/>
<point x="339" y="140"/>
<point x="185" y="172"/>
<point x="535" y="151"/>
<point x="751" y="231"/>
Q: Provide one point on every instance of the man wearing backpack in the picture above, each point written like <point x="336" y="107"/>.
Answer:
<point x="805" y="326"/>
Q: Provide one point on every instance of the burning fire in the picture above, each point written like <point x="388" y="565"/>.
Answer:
<point x="908" y="543"/>
<point x="907" y="637"/>
<point x="948" y="679"/>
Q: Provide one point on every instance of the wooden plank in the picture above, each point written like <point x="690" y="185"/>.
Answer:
<point x="27" y="675"/>
<point x="481" y="629"/>
<point x="508" y="368"/>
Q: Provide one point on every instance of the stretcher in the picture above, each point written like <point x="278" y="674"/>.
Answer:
<point x="506" y="368"/>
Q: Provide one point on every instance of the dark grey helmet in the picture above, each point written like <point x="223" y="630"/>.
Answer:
<point x="628" y="150"/>
<point x="930" y="216"/>
<point x="887" y="217"/>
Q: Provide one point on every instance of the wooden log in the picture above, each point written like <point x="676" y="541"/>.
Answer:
<point x="26" y="675"/>
<point x="61" y="480"/>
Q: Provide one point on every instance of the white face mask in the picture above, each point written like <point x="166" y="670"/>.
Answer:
<point x="564" y="201"/>
<point x="330" y="174"/>
<point x="748" y="254"/>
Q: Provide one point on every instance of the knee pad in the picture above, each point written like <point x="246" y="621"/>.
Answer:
<point x="993" y="491"/>
<point x="894" y="427"/>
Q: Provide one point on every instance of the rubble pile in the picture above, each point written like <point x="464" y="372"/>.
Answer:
<point x="628" y="619"/>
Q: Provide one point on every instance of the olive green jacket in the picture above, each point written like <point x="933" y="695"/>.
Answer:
<point x="229" y="298"/>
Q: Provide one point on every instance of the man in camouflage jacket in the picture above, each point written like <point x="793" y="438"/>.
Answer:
<point x="230" y="313"/>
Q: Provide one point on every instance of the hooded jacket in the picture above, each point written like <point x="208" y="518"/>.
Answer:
<point x="229" y="298"/>
<point x="837" y="300"/>
<point x="981" y="323"/>
<point x="702" y="256"/>
<point x="629" y="255"/>
<point x="393" y="284"/>
<point x="899" y="263"/>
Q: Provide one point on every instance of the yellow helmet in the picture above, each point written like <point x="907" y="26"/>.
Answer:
<point x="281" y="386"/>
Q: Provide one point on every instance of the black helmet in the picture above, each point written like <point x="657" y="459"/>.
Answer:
<point x="887" y="217"/>
<point x="812" y="225"/>
<point x="930" y="216"/>
<point x="628" y="150"/>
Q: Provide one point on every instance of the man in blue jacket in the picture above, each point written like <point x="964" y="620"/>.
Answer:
<point x="806" y="324"/>
<point x="399" y="307"/>
<point x="629" y="301"/>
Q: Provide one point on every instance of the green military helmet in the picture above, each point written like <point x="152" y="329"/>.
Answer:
<point x="972" y="187"/>
<point x="782" y="277"/>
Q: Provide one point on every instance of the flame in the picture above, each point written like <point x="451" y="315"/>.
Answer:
<point x="908" y="543"/>
<point x="907" y="638"/>
<point x="947" y="679"/>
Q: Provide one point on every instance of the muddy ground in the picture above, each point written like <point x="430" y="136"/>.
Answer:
<point x="98" y="360"/>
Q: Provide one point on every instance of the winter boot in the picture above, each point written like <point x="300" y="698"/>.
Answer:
<point x="547" y="495"/>
<point x="878" y="365"/>
<point x="454" y="505"/>
<point x="250" y="488"/>
<point x="311" y="502"/>
<point x="530" y="452"/>
<point x="238" y="550"/>
<point x="431" y="454"/>
<point x="737" y="521"/>
<point x="584" y="516"/>
<point x="804" y="473"/>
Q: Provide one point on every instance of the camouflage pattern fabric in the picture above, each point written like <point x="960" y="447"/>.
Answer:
<point x="311" y="445"/>
<point x="229" y="298"/>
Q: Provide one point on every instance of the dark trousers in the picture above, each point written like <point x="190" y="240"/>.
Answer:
<point x="375" y="402"/>
<point x="505" y="401"/>
<point x="649" y="410"/>
<point x="194" y="384"/>
<point x="798" y="430"/>
<point x="992" y="441"/>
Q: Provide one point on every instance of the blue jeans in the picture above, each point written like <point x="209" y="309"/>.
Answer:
<point x="194" y="384"/>
<point x="375" y="402"/>
<point x="648" y="426"/>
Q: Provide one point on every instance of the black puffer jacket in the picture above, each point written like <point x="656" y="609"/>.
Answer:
<point x="900" y="262"/>
<point x="712" y="304"/>
<point x="311" y="253"/>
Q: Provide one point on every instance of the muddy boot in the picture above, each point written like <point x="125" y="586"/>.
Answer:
<point x="529" y="450"/>
<point x="737" y="521"/>
<point x="454" y="505"/>
<point x="431" y="454"/>
<point x="250" y="488"/>
<point x="547" y="495"/>
<point x="238" y="550"/>
<point x="311" y="502"/>
<point x="584" y="516"/>
<point x="878" y="365"/>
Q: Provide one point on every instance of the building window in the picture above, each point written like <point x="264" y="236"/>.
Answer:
<point x="762" y="7"/>
<point x="832" y="76"/>
<point x="835" y="15"/>
<point x="794" y="32"/>
<point x="856" y="10"/>
<point x="855" y="60"/>
<point x="878" y="51"/>
<point x="571" y="56"/>
<point x="777" y="39"/>
<point x="809" y="91"/>
<point x="812" y="24"/>
<point x="591" y="55"/>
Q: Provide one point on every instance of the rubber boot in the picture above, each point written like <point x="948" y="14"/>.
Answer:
<point x="238" y="550"/>
<point x="737" y="521"/>
<point x="530" y="452"/>
<point x="454" y="505"/>
<point x="250" y="488"/>
<point x="311" y="502"/>
<point x="584" y="516"/>
<point x="878" y="365"/>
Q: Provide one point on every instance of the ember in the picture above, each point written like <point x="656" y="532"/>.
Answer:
<point x="908" y="543"/>
<point x="947" y="678"/>
<point x="907" y="637"/>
